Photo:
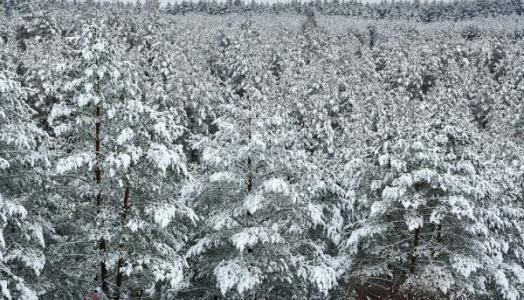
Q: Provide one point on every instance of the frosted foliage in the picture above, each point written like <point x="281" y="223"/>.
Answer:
<point x="199" y="247"/>
<point x="235" y="150"/>
<point x="234" y="275"/>
<point x="27" y="294"/>
<point x="252" y="188"/>
<point x="164" y="215"/>
<point x="323" y="277"/>
<point x="252" y="203"/>
<point x="414" y="222"/>
<point x="315" y="212"/>
<point x="5" y="291"/>
<point x="335" y="227"/>
<point x="250" y="236"/>
<point x="170" y="272"/>
<point x="125" y="136"/>
<point x="224" y="177"/>
<point x="465" y="265"/>
<point x="165" y="158"/>
<point x="122" y="168"/>
<point x="21" y="233"/>
<point x="434" y="278"/>
<point x="74" y="162"/>
<point x="276" y="186"/>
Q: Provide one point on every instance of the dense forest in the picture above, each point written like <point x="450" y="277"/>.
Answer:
<point x="250" y="151"/>
<point x="408" y="9"/>
<point x="417" y="10"/>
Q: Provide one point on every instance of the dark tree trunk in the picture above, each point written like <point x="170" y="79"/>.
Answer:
<point x="416" y="240"/>
<point x="98" y="179"/>
<point x="249" y="161"/>
<point x="249" y="175"/>
<point x="436" y="234"/>
<point x="119" y="273"/>
<point x="119" y="277"/>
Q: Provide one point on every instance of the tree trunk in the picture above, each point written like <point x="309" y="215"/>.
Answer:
<point x="119" y="273"/>
<point x="98" y="179"/>
<point x="119" y="277"/>
<point x="249" y="175"/>
<point x="416" y="239"/>
<point x="436" y="234"/>
<point x="249" y="161"/>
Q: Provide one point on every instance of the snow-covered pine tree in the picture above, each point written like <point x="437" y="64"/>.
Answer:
<point x="22" y="165"/>
<point x="177" y="76"/>
<point x="119" y="164"/>
<point x="428" y="203"/>
<point x="505" y="166"/>
<point x="322" y="89"/>
<point x="253" y="242"/>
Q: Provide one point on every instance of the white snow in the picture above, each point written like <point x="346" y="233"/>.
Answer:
<point x="233" y="274"/>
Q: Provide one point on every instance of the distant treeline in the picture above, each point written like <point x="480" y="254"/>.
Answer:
<point x="414" y="10"/>
<point x="423" y="11"/>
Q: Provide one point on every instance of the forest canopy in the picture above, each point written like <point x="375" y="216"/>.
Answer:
<point x="249" y="151"/>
